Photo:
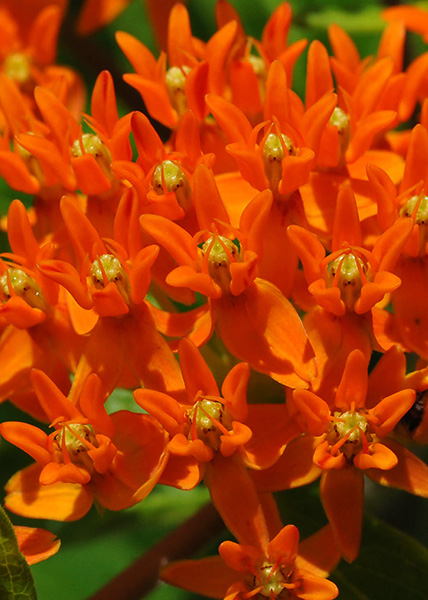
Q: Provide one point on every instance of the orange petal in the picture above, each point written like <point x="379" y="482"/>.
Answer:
<point x="36" y="544"/>
<point x="206" y="199"/>
<point x="342" y="495"/>
<point x="229" y="483"/>
<point x="272" y="430"/>
<point x="319" y="79"/>
<point x="230" y="119"/>
<point x="310" y="250"/>
<point x="410" y="474"/>
<point x="352" y="391"/>
<point x="25" y="496"/>
<point x="234" y="391"/>
<point x="319" y="553"/>
<point x="310" y="411"/>
<point x="262" y="328"/>
<point x="196" y="373"/>
<point x="207" y="576"/>
<point x="390" y="410"/>
<point x="98" y="13"/>
<point x="312" y="587"/>
<point x="177" y="241"/>
<point x="379" y="457"/>
<point x="293" y="469"/>
<point x="28" y="438"/>
<point x="54" y="402"/>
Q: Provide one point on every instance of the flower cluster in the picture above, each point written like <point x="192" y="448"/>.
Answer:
<point x="268" y="239"/>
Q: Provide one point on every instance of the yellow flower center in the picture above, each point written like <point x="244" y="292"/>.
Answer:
<point x="175" y="80"/>
<point x="17" y="67"/>
<point x="107" y="268"/>
<point x="207" y="419"/>
<point x="168" y="177"/>
<point x="275" y="149"/>
<point x="417" y="208"/>
<point x="24" y="286"/>
<point x="220" y="253"/>
<point x="259" y="66"/>
<point x="272" y="580"/>
<point x="92" y="144"/>
<point x="340" y="119"/>
<point x="349" y="433"/>
<point x="347" y="272"/>
<point x="74" y="440"/>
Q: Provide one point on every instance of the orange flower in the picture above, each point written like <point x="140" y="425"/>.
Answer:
<point x="115" y="460"/>
<point x="209" y="423"/>
<point x="408" y="325"/>
<point x="255" y="321"/>
<point x="245" y="571"/>
<point x="351" y="278"/>
<point x="277" y="154"/>
<point x="388" y="377"/>
<point x="250" y="59"/>
<point x="343" y="441"/>
<point x="28" y="47"/>
<point x="194" y="68"/>
<point x="37" y="331"/>
<point x="107" y="301"/>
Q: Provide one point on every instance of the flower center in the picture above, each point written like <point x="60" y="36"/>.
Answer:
<point x="347" y="272"/>
<point x="271" y="581"/>
<point x="340" y="119"/>
<point x="168" y="177"/>
<point x="275" y="148"/>
<point x="74" y="440"/>
<point x="207" y="420"/>
<point x="175" y="80"/>
<point x="417" y="208"/>
<point x="92" y="144"/>
<point x="17" y="67"/>
<point x="107" y="268"/>
<point x="349" y="433"/>
<point x="220" y="252"/>
<point x="19" y="283"/>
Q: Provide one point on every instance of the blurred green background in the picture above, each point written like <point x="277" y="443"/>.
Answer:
<point x="98" y="547"/>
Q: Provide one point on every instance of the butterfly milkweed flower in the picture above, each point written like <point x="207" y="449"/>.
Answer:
<point x="115" y="460"/>
<point x="343" y="441"/>
<point x="219" y="437"/>
<point x="282" y="569"/>
<point x="254" y="320"/>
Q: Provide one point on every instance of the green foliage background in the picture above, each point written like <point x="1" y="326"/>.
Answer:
<point x="392" y="564"/>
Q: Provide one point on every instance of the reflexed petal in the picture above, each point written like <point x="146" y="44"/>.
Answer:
<point x="410" y="474"/>
<point x="25" y="496"/>
<point x="229" y="482"/>
<point x="209" y="576"/>
<point x="342" y="495"/>
<point x="36" y="544"/>
<point x="319" y="553"/>
<point x="262" y="328"/>
<point x="294" y="468"/>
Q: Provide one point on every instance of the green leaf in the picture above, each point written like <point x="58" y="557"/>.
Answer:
<point x="16" y="581"/>
<point x="367" y="20"/>
<point x="390" y="565"/>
